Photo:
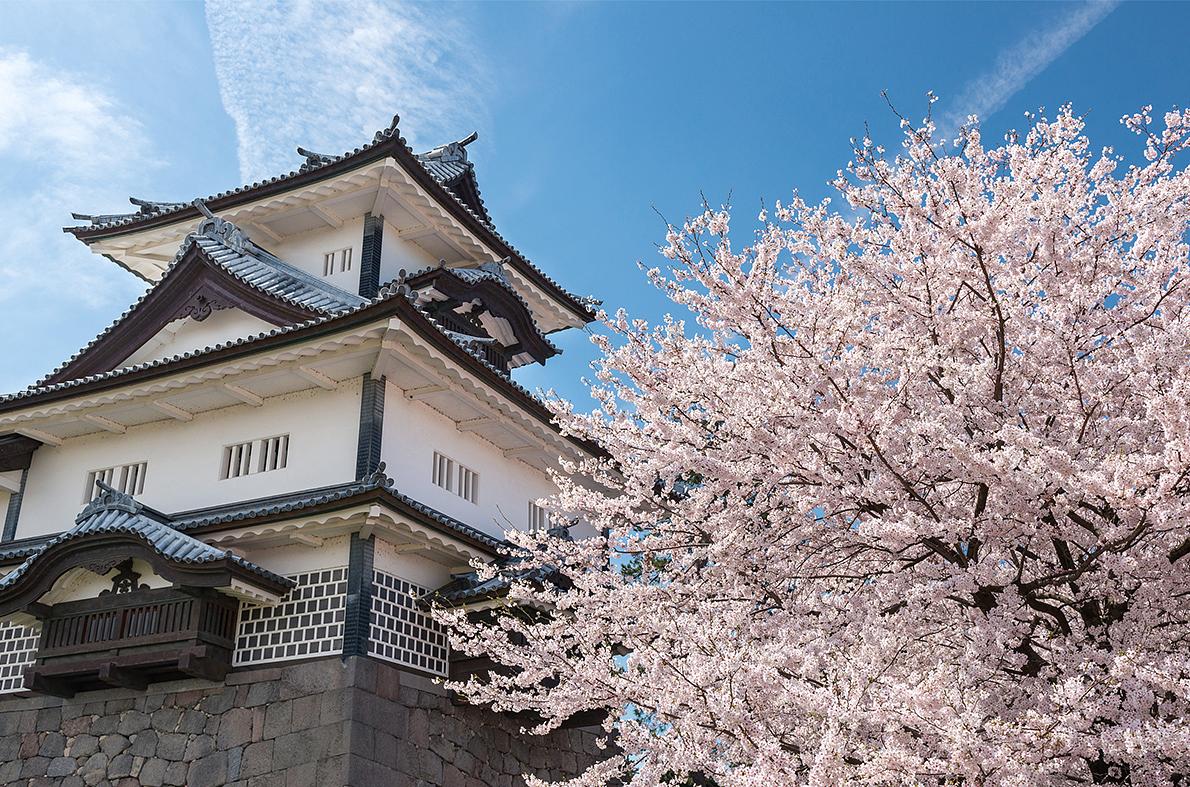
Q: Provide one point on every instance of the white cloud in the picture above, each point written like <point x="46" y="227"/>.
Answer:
<point x="327" y="75"/>
<point x="64" y="145"/>
<point x="1015" y="66"/>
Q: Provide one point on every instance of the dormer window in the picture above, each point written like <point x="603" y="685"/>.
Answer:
<point x="255" y="456"/>
<point x="129" y="479"/>
<point x="338" y="261"/>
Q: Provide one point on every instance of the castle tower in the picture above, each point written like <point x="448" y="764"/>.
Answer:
<point x="225" y="516"/>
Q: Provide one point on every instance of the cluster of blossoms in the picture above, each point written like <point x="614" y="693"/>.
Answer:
<point x="909" y="504"/>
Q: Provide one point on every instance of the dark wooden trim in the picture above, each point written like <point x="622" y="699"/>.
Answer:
<point x="371" y="426"/>
<point x="369" y="267"/>
<point x="101" y="547"/>
<point x="13" y="514"/>
<point x="16" y="452"/>
<point x="497" y="300"/>
<point x="357" y="620"/>
<point x="195" y="283"/>
<point x="395" y="147"/>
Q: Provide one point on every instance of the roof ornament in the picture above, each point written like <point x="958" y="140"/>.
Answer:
<point x="451" y="151"/>
<point x="313" y="160"/>
<point x="388" y="132"/>
<point x="495" y="267"/>
<point x="109" y="499"/>
<point x="378" y="478"/>
<point x="219" y="229"/>
<point x="149" y="207"/>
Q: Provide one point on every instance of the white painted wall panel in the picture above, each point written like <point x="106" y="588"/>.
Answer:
<point x="186" y="335"/>
<point x="413" y="431"/>
<point x="184" y="458"/>
<point x="397" y="254"/>
<point x="306" y="251"/>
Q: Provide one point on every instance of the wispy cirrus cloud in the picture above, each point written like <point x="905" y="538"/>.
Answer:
<point x="1017" y="65"/>
<point x="326" y="75"/>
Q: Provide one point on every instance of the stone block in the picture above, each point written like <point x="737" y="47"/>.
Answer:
<point x="34" y="766"/>
<point x="172" y="745"/>
<point x="49" y="719"/>
<point x="120" y="765"/>
<point x="30" y="743"/>
<point x="305" y="712"/>
<point x="199" y="746"/>
<point x="94" y="769"/>
<point x="152" y="773"/>
<point x="218" y="702"/>
<point x="261" y="694"/>
<point x="257" y="759"/>
<point x="295" y="748"/>
<point x="235" y="758"/>
<point x="192" y="721"/>
<point x="53" y="744"/>
<point x="277" y="717"/>
<point x="175" y="774"/>
<point x="117" y="706"/>
<point x="166" y="719"/>
<point x="76" y="726"/>
<point x="268" y="780"/>
<point x="144" y="743"/>
<point x="235" y="728"/>
<point x="210" y="771"/>
<point x="304" y="775"/>
<point x="113" y="744"/>
<point x="132" y="721"/>
<point x="312" y="677"/>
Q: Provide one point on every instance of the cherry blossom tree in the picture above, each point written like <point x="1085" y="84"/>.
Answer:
<point x="909" y="503"/>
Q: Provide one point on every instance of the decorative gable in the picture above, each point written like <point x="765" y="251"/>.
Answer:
<point x="217" y="268"/>
<point x="479" y="306"/>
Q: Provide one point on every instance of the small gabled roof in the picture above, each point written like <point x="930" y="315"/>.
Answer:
<point x="216" y="267"/>
<point x="114" y="519"/>
<point x="440" y="171"/>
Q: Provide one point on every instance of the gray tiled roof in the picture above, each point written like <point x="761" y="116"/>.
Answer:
<point x="229" y="513"/>
<point x="388" y="292"/>
<point x="315" y="162"/>
<point x="226" y="246"/>
<point x="256" y="267"/>
<point x="114" y="512"/>
<point x="308" y="498"/>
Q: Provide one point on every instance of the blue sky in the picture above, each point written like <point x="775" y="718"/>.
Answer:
<point x="593" y="118"/>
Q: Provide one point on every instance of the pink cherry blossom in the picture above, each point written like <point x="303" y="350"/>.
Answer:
<point x="907" y="502"/>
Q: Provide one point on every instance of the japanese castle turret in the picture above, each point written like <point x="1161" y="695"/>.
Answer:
<point x="225" y="516"/>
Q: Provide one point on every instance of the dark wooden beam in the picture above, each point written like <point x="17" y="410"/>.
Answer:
<point x="114" y="675"/>
<point x="44" y="684"/>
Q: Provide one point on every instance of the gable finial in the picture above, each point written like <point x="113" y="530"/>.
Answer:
<point x="219" y="229"/>
<point x="109" y="499"/>
<point x="378" y="478"/>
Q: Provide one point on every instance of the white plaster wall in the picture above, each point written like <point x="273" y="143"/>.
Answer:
<point x="184" y="458"/>
<point x="413" y="432"/>
<point x="185" y="335"/>
<point x="397" y="254"/>
<point x="306" y="251"/>
<point x="298" y="558"/>
<point x="80" y="583"/>
<point x="413" y="569"/>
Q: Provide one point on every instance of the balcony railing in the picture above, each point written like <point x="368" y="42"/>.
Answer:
<point x="133" y="639"/>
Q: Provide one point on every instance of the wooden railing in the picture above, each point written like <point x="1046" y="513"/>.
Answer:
<point x="143" y="617"/>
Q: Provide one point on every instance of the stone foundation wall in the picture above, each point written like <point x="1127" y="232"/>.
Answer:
<point x="326" y="723"/>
